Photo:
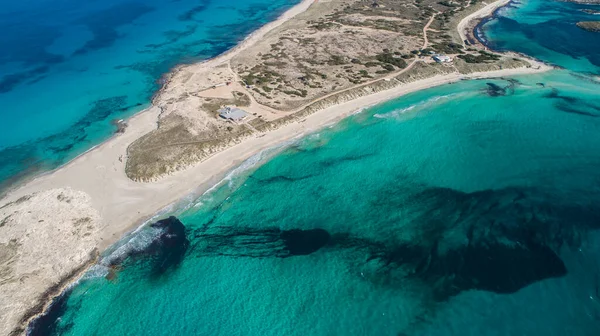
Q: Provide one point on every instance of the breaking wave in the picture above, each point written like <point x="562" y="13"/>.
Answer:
<point x="424" y="104"/>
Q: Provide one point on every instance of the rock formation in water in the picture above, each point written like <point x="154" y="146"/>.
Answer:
<point x="166" y="250"/>
<point x="593" y="26"/>
<point x="492" y="240"/>
<point x="573" y="104"/>
<point x="495" y="90"/>
<point x="259" y="242"/>
<point x="499" y="241"/>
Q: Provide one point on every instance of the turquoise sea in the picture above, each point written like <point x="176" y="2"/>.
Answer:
<point x="466" y="209"/>
<point x="546" y="29"/>
<point x="69" y="68"/>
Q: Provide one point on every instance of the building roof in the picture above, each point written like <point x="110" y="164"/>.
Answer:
<point x="442" y="58"/>
<point x="232" y="113"/>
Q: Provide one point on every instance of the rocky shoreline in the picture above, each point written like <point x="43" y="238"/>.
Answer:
<point x="478" y="29"/>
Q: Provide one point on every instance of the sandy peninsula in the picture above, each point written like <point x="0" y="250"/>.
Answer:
<point x="79" y="210"/>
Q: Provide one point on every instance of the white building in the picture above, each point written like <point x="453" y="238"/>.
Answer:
<point x="232" y="113"/>
<point x="442" y="58"/>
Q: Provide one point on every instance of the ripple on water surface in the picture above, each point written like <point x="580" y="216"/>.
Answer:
<point x="483" y="195"/>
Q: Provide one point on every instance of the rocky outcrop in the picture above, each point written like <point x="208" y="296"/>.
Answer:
<point x="46" y="239"/>
<point x="593" y="26"/>
<point x="166" y="250"/>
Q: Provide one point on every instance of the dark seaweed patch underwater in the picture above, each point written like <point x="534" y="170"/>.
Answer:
<point x="467" y="210"/>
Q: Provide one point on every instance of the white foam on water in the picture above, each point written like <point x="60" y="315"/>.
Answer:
<point x="140" y="238"/>
<point x="246" y="166"/>
<point x="422" y="104"/>
<point x="137" y="240"/>
<point x="360" y="110"/>
<point x="96" y="271"/>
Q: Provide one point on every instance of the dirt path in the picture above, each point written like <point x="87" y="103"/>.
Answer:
<point x="426" y="41"/>
<point x="388" y="77"/>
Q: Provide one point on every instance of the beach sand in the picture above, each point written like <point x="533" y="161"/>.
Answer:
<point x="123" y="204"/>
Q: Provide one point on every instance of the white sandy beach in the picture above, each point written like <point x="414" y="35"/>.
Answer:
<point x="123" y="204"/>
<point x="100" y="173"/>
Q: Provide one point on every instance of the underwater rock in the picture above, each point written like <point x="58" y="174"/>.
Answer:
<point x="259" y="243"/>
<point x="484" y="264"/>
<point x="495" y="90"/>
<point x="47" y="323"/>
<point x="493" y="240"/>
<point x="304" y="242"/>
<point x="573" y="105"/>
<point x="167" y="249"/>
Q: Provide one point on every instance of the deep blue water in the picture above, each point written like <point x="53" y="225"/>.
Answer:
<point x="69" y="68"/>
<point x="546" y="30"/>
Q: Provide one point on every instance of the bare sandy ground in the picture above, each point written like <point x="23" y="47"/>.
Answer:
<point x="121" y="204"/>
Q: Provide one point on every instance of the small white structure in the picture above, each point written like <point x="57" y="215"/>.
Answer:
<point x="232" y="113"/>
<point x="442" y="58"/>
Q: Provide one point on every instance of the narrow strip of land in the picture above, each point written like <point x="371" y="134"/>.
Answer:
<point x="90" y="203"/>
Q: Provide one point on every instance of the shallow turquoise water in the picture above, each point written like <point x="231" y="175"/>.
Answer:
<point x="465" y="209"/>
<point x="416" y="169"/>
<point x="69" y="68"/>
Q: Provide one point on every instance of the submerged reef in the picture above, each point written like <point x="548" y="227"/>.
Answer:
<point x="573" y="104"/>
<point x="166" y="250"/>
<point x="495" y="90"/>
<point x="491" y="240"/>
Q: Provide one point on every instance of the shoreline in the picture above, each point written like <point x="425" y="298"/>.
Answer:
<point x="252" y="146"/>
<point x="227" y="55"/>
<point x="164" y="80"/>
<point x="479" y="16"/>
<point x="233" y="156"/>
<point x="145" y="121"/>
<point x="99" y="172"/>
